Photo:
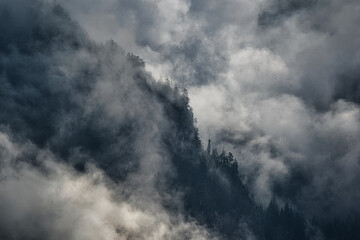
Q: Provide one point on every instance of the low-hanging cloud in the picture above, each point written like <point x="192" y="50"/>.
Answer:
<point x="68" y="103"/>
<point x="274" y="81"/>
<point x="55" y="202"/>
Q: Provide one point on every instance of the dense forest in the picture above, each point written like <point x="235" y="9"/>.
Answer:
<point x="91" y="103"/>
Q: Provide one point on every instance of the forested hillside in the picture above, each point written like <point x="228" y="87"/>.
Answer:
<point x="94" y="105"/>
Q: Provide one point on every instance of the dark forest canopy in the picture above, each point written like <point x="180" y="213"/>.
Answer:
<point x="95" y="104"/>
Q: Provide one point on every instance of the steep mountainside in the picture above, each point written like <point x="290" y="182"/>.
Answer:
<point x="93" y="104"/>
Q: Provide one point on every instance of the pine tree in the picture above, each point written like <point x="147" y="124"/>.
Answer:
<point x="208" y="150"/>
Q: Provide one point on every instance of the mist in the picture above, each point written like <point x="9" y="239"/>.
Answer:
<point x="107" y="107"/>
<point x="279" y="76"/>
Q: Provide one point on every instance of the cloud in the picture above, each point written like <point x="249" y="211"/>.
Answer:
<point x="55" y="202"/>
<point x="273" y="81"/>
<point x="68" y="103"/>
<point x="269" y="80"/>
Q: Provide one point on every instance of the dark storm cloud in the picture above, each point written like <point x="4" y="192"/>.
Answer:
<point x="348" y="86"/>
<point x="276" y="10"/>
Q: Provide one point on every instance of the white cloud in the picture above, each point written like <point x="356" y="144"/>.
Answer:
<point x="55" y="202"/>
